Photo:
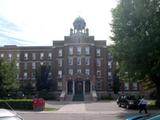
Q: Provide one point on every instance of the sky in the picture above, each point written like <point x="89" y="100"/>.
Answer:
<point x="39" y="22"/>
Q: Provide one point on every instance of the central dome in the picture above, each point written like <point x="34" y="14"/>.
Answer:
<point x="79" y="24"/>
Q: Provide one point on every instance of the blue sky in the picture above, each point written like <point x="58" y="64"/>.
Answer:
<point x="39" y="22"/>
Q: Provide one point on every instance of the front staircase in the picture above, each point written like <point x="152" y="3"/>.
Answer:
<point x="78" y="97"/>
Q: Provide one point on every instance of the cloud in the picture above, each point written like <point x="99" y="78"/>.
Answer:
<point x="7" y="30"/>
<point x="7" y="26"/>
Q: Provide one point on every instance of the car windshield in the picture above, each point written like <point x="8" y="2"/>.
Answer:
<point x="131" y="97"/>
<point x="10" y="118"/>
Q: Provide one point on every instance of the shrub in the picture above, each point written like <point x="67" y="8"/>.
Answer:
<point x="17" y="104"/>
<point x="106" y="98"/>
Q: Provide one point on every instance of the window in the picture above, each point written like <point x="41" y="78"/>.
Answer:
<point x="59" y="85"/>
<point x="60" y="73"/>
<point x="70" y="61"/>
<point x="60" y="62"/>
<point x="135" y="86"/>
<point x="78" y="61"/>
<point x="87" y="50"/>
<point x="126" y="86"/>
<point x="10" y="56"/>
<point x="17" y="65"/>
<point x="33" y="75"/>
<point x="2" y="55"/>
<point x="33" y="65"/>
<point x="17" y="76"/>
<point x="109" y="75"/>
<point x="79" y="71"/>
<point x="50" y="56"/>
<point x="98" y="62"/>
<point x="98" y="51"/>
<point x="49" y="75"/>
<point x="60" y="52"/>
<point x="109" y="65"/>
<point x="18" y="56"/>
<point x="70" y="50"/>
<point x="109" y="56"/>
<point x="25" y="56"/>
<point x="78" y="50"/>
<point x="98" y="73"/>
<point x="25" y="75"/>
<point x="25" y="66"/>
<point x="41" y="63"/>
<point x="70" y="71"/>
<point x="33" y="56"/>
<point x="87" y="71"/>
<point x="42" y="56"/>
<point x="87" y="61"/>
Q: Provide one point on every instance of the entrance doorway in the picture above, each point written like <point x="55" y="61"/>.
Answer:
<point x="87" y="86"/>
<point x="69" y="86"/>
<point x="79" y="87"/>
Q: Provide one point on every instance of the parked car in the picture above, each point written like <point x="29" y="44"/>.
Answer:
<point x="128" y="101"/>
<point x="144" y="117"/>
<point x="9" y="115"/>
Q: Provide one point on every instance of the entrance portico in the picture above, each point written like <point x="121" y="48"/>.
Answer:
<point x="78" y="87"/>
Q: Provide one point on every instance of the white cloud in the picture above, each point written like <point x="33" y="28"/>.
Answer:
<point x="42" y="21"/>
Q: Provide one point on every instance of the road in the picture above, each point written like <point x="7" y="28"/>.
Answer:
<point x="81" y="111"/>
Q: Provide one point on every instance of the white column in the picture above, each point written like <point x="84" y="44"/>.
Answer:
<point x="73" y="87"/>
<point x="84" y="87"/>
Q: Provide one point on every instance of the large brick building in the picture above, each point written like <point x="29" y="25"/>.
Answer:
<point x="79" y="64"/>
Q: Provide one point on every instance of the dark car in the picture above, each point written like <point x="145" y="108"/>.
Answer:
<point x="128" y="101"/>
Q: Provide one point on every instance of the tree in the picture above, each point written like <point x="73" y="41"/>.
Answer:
<point x="8" y="77"/>
<point x="42" y="74"/>
<point x="116" y="84"/>
<point x="136" y="35"/>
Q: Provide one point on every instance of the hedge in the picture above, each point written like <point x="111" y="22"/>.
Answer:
<point x="17" y="104"/>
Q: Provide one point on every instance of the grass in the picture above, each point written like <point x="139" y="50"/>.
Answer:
<point x="152" y="105"/>
<point x="50" y="109"/>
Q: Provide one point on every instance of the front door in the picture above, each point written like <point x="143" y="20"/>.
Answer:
<point x="69" y="86"/>
<point x="78" y="87"/>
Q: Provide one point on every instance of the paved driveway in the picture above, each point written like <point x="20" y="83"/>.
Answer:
<point x="107" y="110"/>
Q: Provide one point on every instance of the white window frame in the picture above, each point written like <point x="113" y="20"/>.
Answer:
<point x="60" y="62"/>
<point x="87" y="71"/>
<point x="33" y="56"/>
<point x="33" y="65"/>
<point x="70" y="71"/>
<point x="60" y="73"/>
<point x="98" y="52"/>
<point x="87" y="61"/>
<point x="2" y="55"/>
<point x="25" y="56"/>
<point x="98" y="62"/>
<point x="79" y="50"/>
<point x="70" y="61"/>
<point x="60" y="52"/>
<point x="50" y="55"/>
<point x="41" y="56"/>
<point x="87" y="50"/>
<point x="78" y="60"/>
<point x="70" y="50"/>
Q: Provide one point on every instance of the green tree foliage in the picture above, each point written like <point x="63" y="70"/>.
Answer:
<point x="136" y="34"/>
<point x="42" y="74"/>
<point x="116" y="84"/>
<point x="8" y="77"/>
